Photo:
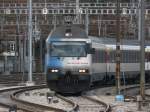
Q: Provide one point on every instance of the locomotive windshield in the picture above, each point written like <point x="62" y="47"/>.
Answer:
<point x="68" y="49"/>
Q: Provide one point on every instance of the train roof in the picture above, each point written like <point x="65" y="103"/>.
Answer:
<point x="112" y="41"/>
<point x="74" y="32"/>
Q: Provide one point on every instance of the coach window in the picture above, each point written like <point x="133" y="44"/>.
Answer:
<point x="112" y="56"/>
<point x="98" y="59"/>
<point x="99" y="56"/>
<point x="122" y="57"/>
<point x="126" y="56"/>
<point x="148" y="56"/>
<point x="136" y="56"/>
<point x="131" y="56"/>
<point x="94" y="57"/>
<point x="103" y="56"/>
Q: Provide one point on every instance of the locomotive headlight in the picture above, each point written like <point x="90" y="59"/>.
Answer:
<point x="53" y="70"/>
<point x="56" y="70"/>
<point x="83" y="70"/>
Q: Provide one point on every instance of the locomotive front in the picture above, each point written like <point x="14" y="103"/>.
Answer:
<point x="68" y="63"/>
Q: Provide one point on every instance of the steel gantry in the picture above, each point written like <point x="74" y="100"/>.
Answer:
<point x="70" y="8"/>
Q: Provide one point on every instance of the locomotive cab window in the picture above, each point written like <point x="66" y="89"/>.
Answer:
<point x="68" y="49"/>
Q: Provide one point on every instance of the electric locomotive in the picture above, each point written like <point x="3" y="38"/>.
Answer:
<point x="68" y="59"/>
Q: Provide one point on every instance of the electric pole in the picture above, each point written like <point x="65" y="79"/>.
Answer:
<point x="118" y="48"/>
<point x="142" y="46"/>
<point x="30" y="41"/>
<point x="77" y="12"/>
<point x="87" y="22"/>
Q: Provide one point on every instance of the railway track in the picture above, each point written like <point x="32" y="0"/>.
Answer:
<point x="82" y="106"/>
<point x="84" y="103"/>
<point x="130" y="93"/>
<point x="26" y="106"/>
<point x="90" y="104"/>
<point x="147" y="94"/>
<point x="133" y="95"/>
<point x="104" y="106"/>
<point x="134" y="90"/>
<point x="15" y="79"/>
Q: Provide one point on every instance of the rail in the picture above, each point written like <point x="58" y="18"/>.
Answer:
<point x="107" y="106"/>
<point x="14" y="97"/>
<point x="75" y="106"/>
<point x="133" y="98"/>
<point x="31" y="107"/>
